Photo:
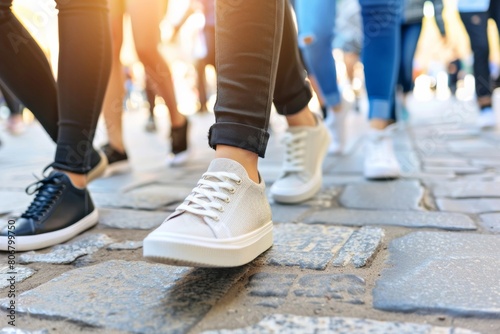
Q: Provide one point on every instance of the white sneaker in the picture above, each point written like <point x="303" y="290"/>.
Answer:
<point x="486" y="119"/>
<point x="224" y="222"/>
<point x="335" y="122"/>
<point x="380" y="159"/>
<point x="301" y="176"/>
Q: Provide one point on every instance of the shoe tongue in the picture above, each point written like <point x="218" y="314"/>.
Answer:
<point x="227" y="165"/>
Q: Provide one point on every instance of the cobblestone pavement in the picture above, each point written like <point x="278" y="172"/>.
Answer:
<point x="416" y="255"/>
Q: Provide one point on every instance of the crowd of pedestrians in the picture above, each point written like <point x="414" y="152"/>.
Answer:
<point x="265" y="53"/>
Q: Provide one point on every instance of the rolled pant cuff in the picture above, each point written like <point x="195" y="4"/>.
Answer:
<point x="295" y="103"/>
<point x="239" y="135"/>
<point x="71" y="169"/>
<point x="380" y="109"/>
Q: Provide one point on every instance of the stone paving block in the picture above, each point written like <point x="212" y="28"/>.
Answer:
<point x="306" y="246"/>
<point x="466" y="189"/>
<point x="20" y="274"/>
<point x="125" y="245"/>
<point x="13" y="330"/>
<point x="270" y="284"/>
<point x="150" y="197"/>
<point x="360" y="247"/>
<point x="470" y="145"/>
<point x="486" y="176"/>
<point x="67" y="253"/>
<point x="486" y="154"/>
<point x="131" y="219"/>
<point x="346" y="288"/>
<point x="456" y="170"/>
<point x="285" y="324"/>
<point x="441" y="272"/>
<point x="429" y="177"/>
<point x="341" y="180"/>
<point x="288" y="213"/>
<point x="389" y="195"/>
<point x="444" y="162"/>
<point x="488" y="163"/>
<point x="491" y="222"/>
<point x="482" y="205"/>
<point x="136" y="297"/>
<point x="413" y="219"/>
<point x="349" y="164"/>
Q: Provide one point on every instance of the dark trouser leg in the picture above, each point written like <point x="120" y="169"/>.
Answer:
<point x="13" y="104"/>
<point x="248" y="44"/>
<point x="84" y="67"/>
<point x="24" y="69"/>
<point x="476" y="25"/>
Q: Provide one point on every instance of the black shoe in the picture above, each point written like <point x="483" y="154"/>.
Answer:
<point x="178" y="140"/>
<point x="59" y="212"/>
<point x="117" y="162"/>
<point x="98" y="165"/>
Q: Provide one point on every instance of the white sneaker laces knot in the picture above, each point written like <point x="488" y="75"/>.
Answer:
<point x="213" y="186"/>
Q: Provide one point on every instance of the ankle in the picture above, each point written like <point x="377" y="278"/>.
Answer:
<point x="305" y="117"/>
<point x="380" y="124"/>
<point x="247" y="159"/>
<point x="78" y="180"/>
<point x="178" y="121"/>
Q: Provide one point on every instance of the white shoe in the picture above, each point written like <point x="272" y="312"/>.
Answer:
<point x="177" y="160"/>
<point x="486" y="119"/>
<point x="335" y="122"/>
<point x="380" y="159"/>
<point x="301" y="176"/>
<point x="224" y="222"/>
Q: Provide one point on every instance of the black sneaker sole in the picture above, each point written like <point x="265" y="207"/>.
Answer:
<point x="33" y="242"/>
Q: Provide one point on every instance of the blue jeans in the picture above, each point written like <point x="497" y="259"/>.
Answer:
<point x="316" y="24"/>
<point x="409" y="39"/>
<point x="258" y="63"/>
<point x="380" y="55"/>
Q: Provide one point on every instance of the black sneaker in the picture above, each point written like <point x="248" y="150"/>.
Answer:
<point x="179" y="145"/>
<point x="59" y="212"/>
<point x="117" y="162"/>
<point x="98" y="164"/>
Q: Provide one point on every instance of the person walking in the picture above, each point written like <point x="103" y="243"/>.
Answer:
<point x="145" y="18"/>
<point x="226" y="220"/>
<point x="68" y="110"/>
<point x="475" y="15"/>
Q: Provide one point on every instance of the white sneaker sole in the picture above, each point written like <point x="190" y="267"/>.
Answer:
<point x="297" y="195"/>
<point x="33" y="242"/>
<point x="177" y="159"/>
<point x="185" y="250"/>
<point x="382" y="173"/>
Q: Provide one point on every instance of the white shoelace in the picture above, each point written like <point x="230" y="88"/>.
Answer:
<point x="295" y="145"/>
<point x="213" y="185"/>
